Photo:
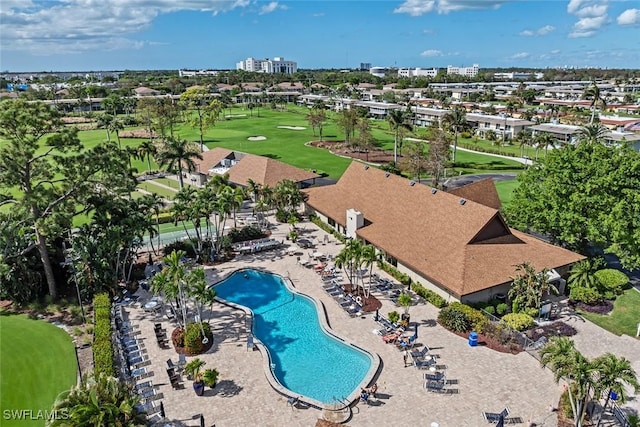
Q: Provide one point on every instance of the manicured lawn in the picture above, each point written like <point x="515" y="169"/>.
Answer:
<point x="505" y="190"/>
<point x="37" y="361"/>
<point x="161" y="191"/>
<point x="467" y="160"/>
<point x="625" y="316"/>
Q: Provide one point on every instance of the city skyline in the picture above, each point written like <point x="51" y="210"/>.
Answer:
<point x="67" y="35"/>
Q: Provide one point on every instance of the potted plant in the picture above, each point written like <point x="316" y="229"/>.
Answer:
<point x="393" y="316"/>
<point x="404" y="300"/>
<point x="192" y="369"/>
<point x="210" y="377"/>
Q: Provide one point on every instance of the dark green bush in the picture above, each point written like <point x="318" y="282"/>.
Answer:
<point x="102" y="344"/>
<point x="611" y="280"/>
<point x="453" y="319"/>
<point x="193" y="337"/>
<point x="475" y="318"/>
<point x="246" y="233"/>
<point x="585" y="294"/>
<point x="400" y="277"/>
<point x="394" y="316"/>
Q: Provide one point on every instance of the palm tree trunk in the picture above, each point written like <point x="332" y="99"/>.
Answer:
<point x="604" y="408"/>
<point x="455" y="146"/>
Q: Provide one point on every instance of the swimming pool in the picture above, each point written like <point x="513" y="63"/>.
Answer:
<point x="304" y="357"/>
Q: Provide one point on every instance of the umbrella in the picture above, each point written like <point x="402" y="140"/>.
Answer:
<point x="415" y="334"/>
<point x="377" y="316"/>
<point x="202" y="420"/>
<point x="162" y="414"/>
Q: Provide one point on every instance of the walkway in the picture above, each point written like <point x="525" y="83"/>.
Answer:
<point x="522" y="160"/>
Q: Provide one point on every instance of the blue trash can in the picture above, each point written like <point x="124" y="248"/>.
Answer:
<point x="613" y="395"/>
<point x="473" y="339"/>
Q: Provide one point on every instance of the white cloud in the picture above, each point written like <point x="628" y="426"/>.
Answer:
<point x="542" y="31"/>
<point x="271" y="7"/>
<point x="592" y="16"/>
<point x="80" y="25"/>
<point x="430" y="53"/>
<point x="629" y="17"/>
<point x="420" y="7"/>
<point x="555" y="51"/>
<point x="520" y="55"/>
<point x="318" y="15"/>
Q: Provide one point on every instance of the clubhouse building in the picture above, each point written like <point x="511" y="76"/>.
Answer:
<point x="454" y="243"/>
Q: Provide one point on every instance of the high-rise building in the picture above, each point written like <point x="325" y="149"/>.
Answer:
<point x="269" y="66"/>
<point x="464" y="71"/>
<point x="365" y="66"/>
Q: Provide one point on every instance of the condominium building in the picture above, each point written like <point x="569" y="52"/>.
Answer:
<point x="464" y="71"/>
<point x="417" y="72"/>
<point x="269" y="66"/>
<point x="196" y="73"/>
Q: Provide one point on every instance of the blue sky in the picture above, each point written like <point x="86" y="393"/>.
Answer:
<point x="65" y="35"/>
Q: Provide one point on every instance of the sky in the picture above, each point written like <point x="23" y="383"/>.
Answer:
<point x="85" y="35"/>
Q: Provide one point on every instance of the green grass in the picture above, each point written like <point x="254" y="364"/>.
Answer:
<point x="171" y="182"/>
<point x="37" y="361"/>
<point x="625" y="316"/>
<point x="505" y="190"/>
<point x="161" y="191"/>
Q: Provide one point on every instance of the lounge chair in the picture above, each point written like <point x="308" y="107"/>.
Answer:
<point x="425" y="363"/>
<point x="406" y="343"/>
<point x="434" y="376"/>
<point x="419" y="354"/>
<point x="434" y="386"/>
<point x="493" y="417"/>
<point x="393" y="336"/>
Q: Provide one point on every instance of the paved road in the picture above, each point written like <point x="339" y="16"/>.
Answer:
<point x="461" y="180"/>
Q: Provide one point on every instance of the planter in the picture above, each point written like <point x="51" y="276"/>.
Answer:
<point x="198" y="388"/>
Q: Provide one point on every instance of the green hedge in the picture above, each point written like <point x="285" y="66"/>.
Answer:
<point x="429" y="295"/>
<point x="612" y="280"/>
<point x="461" y="318"/>
<point x="163" y="217"/>
<point x="327" y="228"/>
<point x="400" y="277"/>
<point x="102" y="344"/>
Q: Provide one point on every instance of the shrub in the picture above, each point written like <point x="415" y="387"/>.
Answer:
<point x="611" y="280"/>
<point x="102" y="348"/>
<point x="476" y="320"/>
<point x="245" y="233"/>
<point x="453" y="319"/>
<point x="584" y="294"/>
<point x="555" y="329"/>
<point x="401" y="277"/>
<point x="327" y="228"/>
<point x="502" y="309"/>
<point x="518" y="321"/>
<point x="394" y="316"/>
<point x="193" y="337"/>
<point x="429" y="295"/>
<point x="490" y="309"/>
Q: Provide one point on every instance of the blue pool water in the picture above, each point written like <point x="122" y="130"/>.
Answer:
<point x="305" y="359"/>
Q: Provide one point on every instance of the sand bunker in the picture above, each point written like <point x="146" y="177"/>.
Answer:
<point x="292" y="127"/>
<point x="257" y="138"/>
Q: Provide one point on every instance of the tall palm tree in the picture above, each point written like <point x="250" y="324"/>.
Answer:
<point x="593" y="93"/>
<point x="613" y="374"/>
<point x="561" y="356"/>
<point x="543" y="140"/>
<point x="398" y="124"/>
<point x="592" y="133"/>
<point x="456" y="120"/>
<point x="177" y="154"/>
<point x="146" y="150"/>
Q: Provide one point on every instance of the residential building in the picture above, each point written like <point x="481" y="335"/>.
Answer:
<point x="417" y="72"/>
<point x="197" y="73"/>
<point x="242" y="166"/>
<point x="501" y="125"/>
<point x="455" y="246"/>
<point x="269" y="66"/>
<point x="378" y="71"/>
<point x="464" y="71"/>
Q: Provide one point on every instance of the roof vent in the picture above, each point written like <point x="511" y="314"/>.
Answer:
<point x="463" y="201"/>
<point x="366" y="167"/>
<point x="412" y="183"/>
<point x="434" y="191"/>
<point x="386" y="175"/>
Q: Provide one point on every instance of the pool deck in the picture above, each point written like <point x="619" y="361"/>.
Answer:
<point x="485" y="380"/>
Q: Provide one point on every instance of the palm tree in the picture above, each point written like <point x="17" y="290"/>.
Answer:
<point x="593" y="93"/>
<point x="612" y="375"/>
<point x="582" y="274"/>
<point x="456" y="120"/>
<point x="177" y="154"/>
<point x="529" y="286"/>
<point x="145" y="150"/>
<point x="398" y="124"/>
<point x="98" y="401"/>
<point x="561" y="356"/>
<point x="592" y="133"/>
<point x="543" y="140"/>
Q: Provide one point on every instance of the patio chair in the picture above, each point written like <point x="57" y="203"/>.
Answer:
<point x="182" y="361"/>
<point x="425" y="363"/>
<point x="434" y="376"/>
<point x="406" y="343"/>
<point x="493" y="417"/>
